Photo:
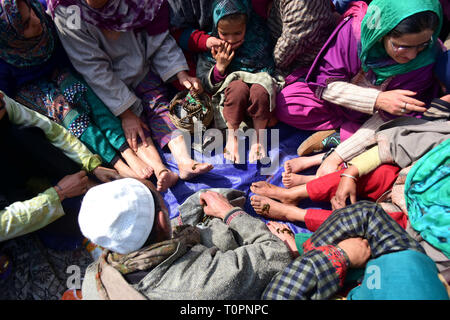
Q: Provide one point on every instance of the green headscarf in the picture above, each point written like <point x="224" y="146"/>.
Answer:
<point x="382" y="17"/>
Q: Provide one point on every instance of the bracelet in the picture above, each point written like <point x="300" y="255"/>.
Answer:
<point x="349" y="176"/>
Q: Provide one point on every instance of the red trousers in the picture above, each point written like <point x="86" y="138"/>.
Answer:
<point x="369" y="187"/>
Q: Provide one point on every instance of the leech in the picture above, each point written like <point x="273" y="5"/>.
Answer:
<point x="265" y="208"/>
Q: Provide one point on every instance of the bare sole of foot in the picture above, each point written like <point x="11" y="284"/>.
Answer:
<point x="190" y="170"/>
<point x="266" y="189"/>
<point x="302" y="163"/>
<point x="257" y="152"/>
<point x="231" y="150"/>
<point x="273" y="209"/>
<point x="139" y="166"/>
<point x="292" y="179"/>
<point x="166" y="179"/>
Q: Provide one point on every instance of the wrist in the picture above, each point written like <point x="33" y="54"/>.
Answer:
<point x="351" y="171"/>
<point x="126" y="114"/>
<point x="221" y="69"/>
<point x="60" y="192"/>
<point x="230" y="214"/>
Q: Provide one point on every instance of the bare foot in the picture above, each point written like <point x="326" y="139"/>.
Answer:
<point x="191" y="169"/>
<point x="292" y="179"/>
<point x="142" y="169"/>
<point x="125" y="171"/>
<point x="276" y="210"/>
<point x="301" y="163"/>
<point x="257" y="152"/>
<point x="166" y="179"/>
<point x="264" y="188"/>
<point x="284" y="233"/>
<point x="231" y="151"/>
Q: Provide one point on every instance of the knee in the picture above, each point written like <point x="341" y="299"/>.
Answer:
<point x="237" y="88"/>
<point x="259" y="93"/>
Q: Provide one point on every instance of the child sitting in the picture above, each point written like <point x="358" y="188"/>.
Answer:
<point x="239" y="74"/>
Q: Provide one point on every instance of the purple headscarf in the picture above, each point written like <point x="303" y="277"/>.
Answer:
<point x="122" y="15"/>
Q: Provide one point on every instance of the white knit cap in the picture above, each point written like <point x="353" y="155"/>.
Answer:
<point x="118" y="215"/>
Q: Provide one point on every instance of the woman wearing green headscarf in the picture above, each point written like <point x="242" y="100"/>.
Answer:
<point x="379" y="60"/>
<point x="377" y="65"/>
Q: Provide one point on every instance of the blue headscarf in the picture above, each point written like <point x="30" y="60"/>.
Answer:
<point x="256" y="53"/>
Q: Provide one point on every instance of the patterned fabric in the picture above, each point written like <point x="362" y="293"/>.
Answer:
<point x="387" y="15"/>
<point x="40" y="273"/>
<point x="427" y="197"/>
<point x="300" y="29"/>
<point x="49" y="99"/>
<point x="55" y="133"/>
<point x="122" y="15"/>
<point x="153" y="93"/>
<point x="79" y="125"/>
<point x="255" y="54"/>
<point x="313" y="275"/>
<point x="14" y="48"/>
<point x="31" y="215"/>
<point x="151" y="256"/>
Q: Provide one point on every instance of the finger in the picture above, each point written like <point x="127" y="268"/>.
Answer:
<point x="412" y="101"/>
<point x="406" y="92"/>
<point x="204" y="198"/>
<point x="271" y="227"/>
<point x="232" y="55"/>
<point x="333" y="203"/>
<point x="187" y="84"/>
<point x="82" y="173"/>
<point x="143" y="124"/>
<point x="133" y="140"/>
<point x="197" y="86"/>
<point x="142" y="136"/>
<point x="229" y="49"/>
<point x="411" y="107"/>
<point x="353" y="198"/>
<point x="366" y="242"/>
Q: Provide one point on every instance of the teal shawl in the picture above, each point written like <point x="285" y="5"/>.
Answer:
<point x="427" y="196"/>
<point x="256" y="53"/>
<point x="382" y="17"/>
<point x="401" y="275"/>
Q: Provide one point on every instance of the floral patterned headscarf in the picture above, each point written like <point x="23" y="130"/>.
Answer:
<point x="122" y="15"/>
<point x="17" y="50"/>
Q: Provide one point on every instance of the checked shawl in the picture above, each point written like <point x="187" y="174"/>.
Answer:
<point x="313" y="275"/>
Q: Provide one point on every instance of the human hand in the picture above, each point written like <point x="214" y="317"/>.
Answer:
<point x="106" y="174"/>
<point x="284" y="233"/>
<point x="72" y="185"/>
<point x="346" y="189"/>
<point x="446" y="98"/>
<point x="399" y="102"/>
<point x="214" y="204"/>
<point x="132" y="127"/>
<point x="223" y="55"/>
<point x="357" y="250"/>
<point x="214" y="42"/>
<point x="329" y="165"/>
<point x="190" y="82"/>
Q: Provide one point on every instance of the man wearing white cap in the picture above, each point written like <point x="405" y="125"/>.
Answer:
<point x="233" y="257"/>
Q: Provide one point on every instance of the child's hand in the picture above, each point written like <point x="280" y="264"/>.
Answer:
<point x="223" y="56"/>
<point x="214" y="42"/>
